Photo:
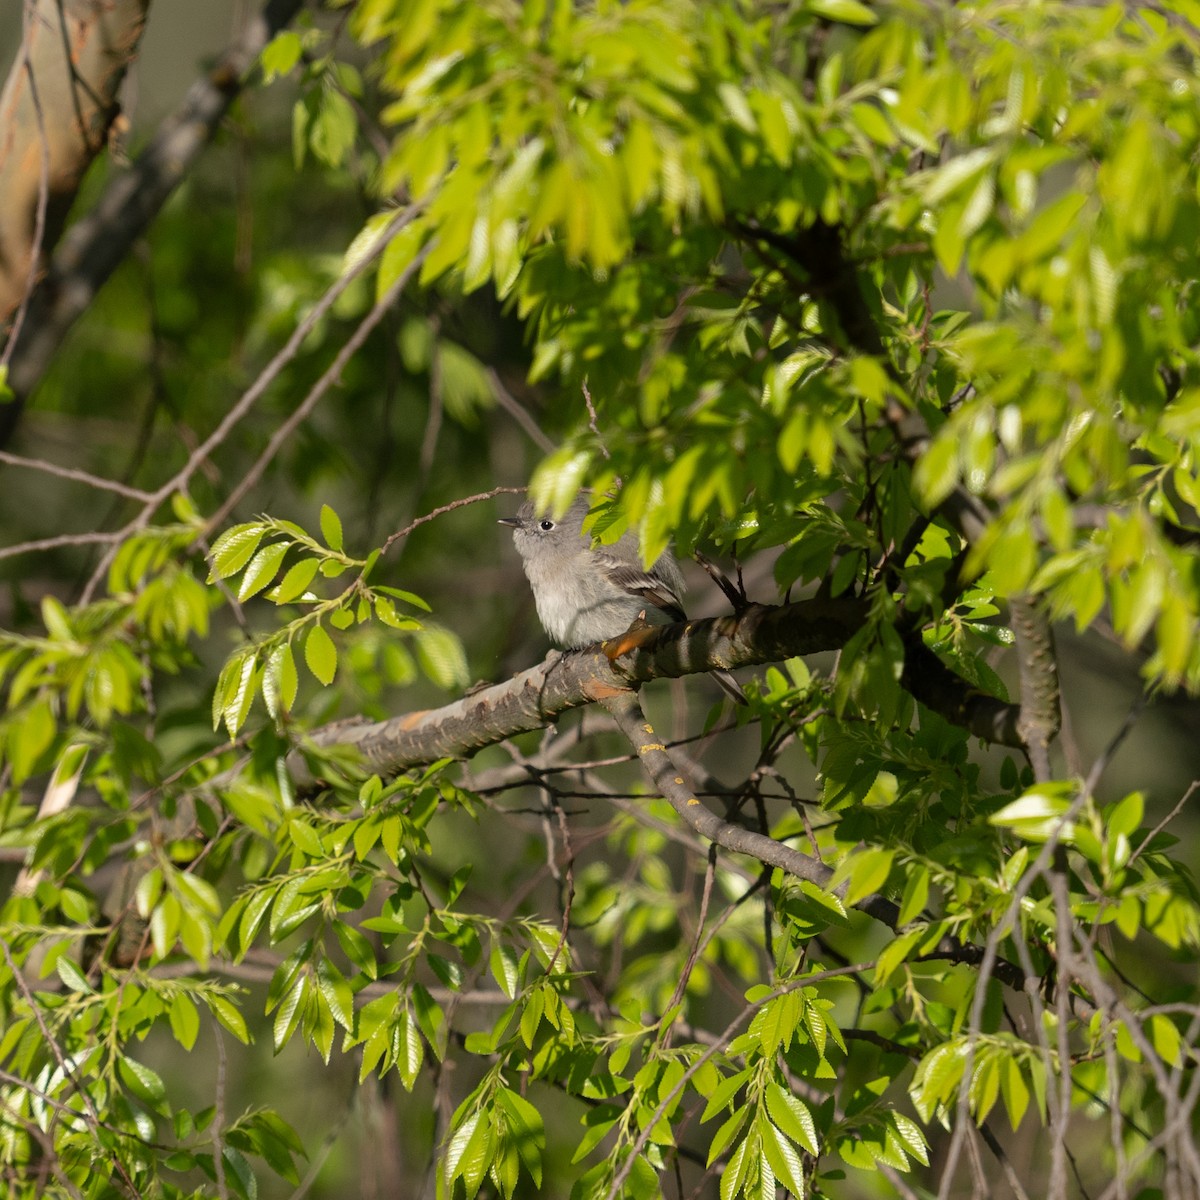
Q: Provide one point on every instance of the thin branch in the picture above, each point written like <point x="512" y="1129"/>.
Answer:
<point x="93" y="1116"/>
<point x="445" y="508"/>
<point x="107" y="485"/>
<point x="718" y="1045"/>
<point x="327" y="380"/>
<point x="1179" y="807"/>
<point x="593" y="421"/>
<point x="670" y="782"/>
<point x="59" y="541"/>
<point x="218" y="1136"/>
<point x="511" y="405"/>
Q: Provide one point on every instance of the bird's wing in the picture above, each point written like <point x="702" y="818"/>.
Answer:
<point x="630" y="577"/>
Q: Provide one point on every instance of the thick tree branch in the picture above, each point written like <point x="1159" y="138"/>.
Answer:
<point x="98" y="242"/>
<point x="55" y="111"/>
<point x="539" y="696"/>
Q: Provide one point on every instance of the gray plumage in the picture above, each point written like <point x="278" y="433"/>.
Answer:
<point x="588" y="593"/>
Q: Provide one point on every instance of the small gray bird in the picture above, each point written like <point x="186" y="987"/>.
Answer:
<point x="585" y="593"/>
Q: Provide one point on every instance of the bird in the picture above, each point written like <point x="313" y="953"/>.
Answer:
<point x="587" y="593"/>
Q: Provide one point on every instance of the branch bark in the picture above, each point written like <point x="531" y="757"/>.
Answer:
<point x="538" y="697"/>
<point x="1040" y="714"/>
<point x="56" y="109"/>
<point x="95" y="245"/>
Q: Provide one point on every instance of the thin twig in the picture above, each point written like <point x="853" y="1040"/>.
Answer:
<point x="59" y="541"/>
<point x="254" y="393"/>
<point x="511" y="405"/>
<point x="719" y="1043"/>
<point x="56" y="1051"/>
<point x="593" y="421"/>
<point x="1163" y="823"/>
<point x="219" y="1116"/>
<point x="327" y="380"/>
<point x="107" y="485"/>
<point x="445" y="508"/>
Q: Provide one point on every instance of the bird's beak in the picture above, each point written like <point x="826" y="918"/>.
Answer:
<point x="511" y="522"/>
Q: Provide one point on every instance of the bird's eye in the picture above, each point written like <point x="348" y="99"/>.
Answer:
<point x="545" y="526"/>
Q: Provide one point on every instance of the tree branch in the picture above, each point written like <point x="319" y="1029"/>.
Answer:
<point x="56" y="108"/>
<point x="539" y="696"/>
<point x="98" y="242"/>
<point x="1040" y="716"/>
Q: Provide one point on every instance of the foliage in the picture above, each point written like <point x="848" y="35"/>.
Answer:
<point x="899" y="300"/>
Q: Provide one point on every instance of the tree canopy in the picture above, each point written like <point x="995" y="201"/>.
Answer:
<point x="882" y="316"/>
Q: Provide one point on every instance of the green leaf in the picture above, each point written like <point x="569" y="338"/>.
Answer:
<point x="1126" y="817"/>
<point x="723" y="1094"/>
<point x="234" y="549"/>
<point x="784" y="1160"/>
<point x="146" y="1084"/>
<point x="1013" y="1090"/>
<point x="504" y="968"/>
<point x="71" y="975"/>
<point x="936" y="473"/>
<point x="280" y="55"/>
<point x="31" y="733"/>
<point x="526" y="1129"/>
<point x="320" y="655"/>
<point x="724" y="1136"/>
<point x="849" y="12"/>
<point x="295" y="581"/>
<point x="1037" y="814"/>
<point x="289" y="679"/>
<point x="916" y="894"/>
<point x="185" y="1020"/>
<point x="735" y="1171"/>
<point x="56" y="620"/>
<point x="336" y="991"/>
<point x="1165" y="1039"/>
<point x="229" y="1016"/>
<point x="869" y="871"/>
<point x="442" y="658"/>
<point x="792" y="1116"/>
<point x="331" y="528"/>
<point x="261" y="569"/>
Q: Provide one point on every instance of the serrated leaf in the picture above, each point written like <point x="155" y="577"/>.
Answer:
<point x="504" y="969"/>
<point x="229" y="1016"/>
<point x="261" y="569"/>
<point x="792" y="1116"/>
<point x="785" y="1161"/>
<point x="295" y="580"/>
<point x="331" y="528"/>
<point x="71" y="975"/>
<point x="234" y="549"/>
<point x="320" y="655"/>
<point x="146" y="1084"/>
<point x="185" y="1020"/>
<point x="289" y="678"/>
